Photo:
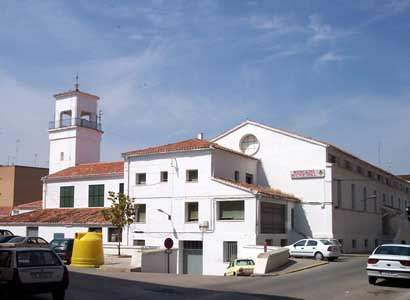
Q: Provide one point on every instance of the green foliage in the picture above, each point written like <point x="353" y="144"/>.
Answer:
<point x="121" y="212"/>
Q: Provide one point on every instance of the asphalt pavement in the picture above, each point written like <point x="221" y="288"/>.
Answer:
<point x="343" y="279"/>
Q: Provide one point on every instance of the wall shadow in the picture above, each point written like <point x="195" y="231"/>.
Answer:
<point x="93" y="286"/>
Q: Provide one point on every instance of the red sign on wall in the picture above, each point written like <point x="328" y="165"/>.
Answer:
<point x="303" y="174"/>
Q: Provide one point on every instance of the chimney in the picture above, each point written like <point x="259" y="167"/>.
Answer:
<point x="200" y="136"/>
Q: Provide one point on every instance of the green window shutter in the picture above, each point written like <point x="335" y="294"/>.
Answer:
<point x="67" y="196"/>
<point x="96" y="195"/>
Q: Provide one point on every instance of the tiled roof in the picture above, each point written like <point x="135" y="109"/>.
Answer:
<point x="187" y="145"/>
<point x="65" y="216"/>
<point x="32" y="205"/>
<point x="5" y="211"/>
<point x="92" y="169"/>
<point x="73" y="93"/>
<point x="405" y="177"/>
<point x="258" y="189"/>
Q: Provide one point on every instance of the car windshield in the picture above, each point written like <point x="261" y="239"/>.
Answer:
<point x="393" y="250"/>
<point x="37" y="259"/>
<point x="245" y="262"/>
<point x="59" y="243"/>
<point x="17" y="239"/>
<point x="4" y="239"/>
<point x="327" y="242"/>
<point x="5" y="233"/>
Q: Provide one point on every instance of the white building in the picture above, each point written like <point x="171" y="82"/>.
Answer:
<point x="249" y="185"/>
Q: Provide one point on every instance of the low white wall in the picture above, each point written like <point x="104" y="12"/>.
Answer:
<point x="252" y="251"/>
<point x="156" y="261"/>
<point x="270" y="261"/>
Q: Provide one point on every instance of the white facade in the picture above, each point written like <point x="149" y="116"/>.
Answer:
<point x="75" y="133"/>
<point x="171" y="197"/>
<point x="51" y="190"/>
<point x="326" y="212"/>
<point x="330" y="193"/>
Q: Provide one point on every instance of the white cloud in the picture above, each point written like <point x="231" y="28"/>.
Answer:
<point x="275" y="24"/>
<point x="329" y="58"/>
<point x="320" y="31"/>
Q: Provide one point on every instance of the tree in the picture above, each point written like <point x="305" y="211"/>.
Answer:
<point x="120" y="214"/>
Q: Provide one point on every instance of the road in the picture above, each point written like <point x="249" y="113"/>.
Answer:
<point x="345" y="279"/>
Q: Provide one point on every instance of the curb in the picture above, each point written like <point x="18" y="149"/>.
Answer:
<point x="322" y="263"/>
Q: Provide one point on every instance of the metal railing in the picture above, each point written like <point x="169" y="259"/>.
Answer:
<point x="75" y="122"/>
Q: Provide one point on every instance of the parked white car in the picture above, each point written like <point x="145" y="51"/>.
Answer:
<point x="389" y="261"/>
<point x="317" y="248"/>
<point x="32" y="271"/>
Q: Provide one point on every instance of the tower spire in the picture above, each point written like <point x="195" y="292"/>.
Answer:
<point x="76" y="83"/>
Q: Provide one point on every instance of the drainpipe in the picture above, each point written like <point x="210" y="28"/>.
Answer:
<point x="43" y="179"/>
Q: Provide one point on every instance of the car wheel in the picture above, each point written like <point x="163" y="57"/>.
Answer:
<point x="59" y="295"/>
<point x="372" y="280"/>
<point x="318" y="256"/>
<point x="234" y="274"/>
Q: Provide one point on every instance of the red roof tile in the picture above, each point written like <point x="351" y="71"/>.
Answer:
<point x="65" y="216"/>
<point x="259" y="189"/>
<point x="92" y="169"/>
<point x="32" y="205"/>
<point x="405" y="177"/>
<point x="187" y="145"/>
<point x="73" y="93"/>
<point x="5" y="211"/>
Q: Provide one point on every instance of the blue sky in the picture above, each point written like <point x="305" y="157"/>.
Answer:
<point x="166" y="70"/>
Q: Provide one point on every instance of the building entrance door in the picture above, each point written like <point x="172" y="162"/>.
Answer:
<point x="192" y="257"/>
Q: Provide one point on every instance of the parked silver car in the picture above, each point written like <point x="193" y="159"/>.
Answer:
<point x="32" y="271"/>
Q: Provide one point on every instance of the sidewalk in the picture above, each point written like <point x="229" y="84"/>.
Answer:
<point x="121" y="264"/>
<point x="113" y="263"/>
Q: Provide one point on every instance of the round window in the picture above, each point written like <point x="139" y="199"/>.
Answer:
<point x="249" y="144"/>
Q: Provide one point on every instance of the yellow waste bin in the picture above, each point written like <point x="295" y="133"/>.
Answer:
<point x="88" y="250"/>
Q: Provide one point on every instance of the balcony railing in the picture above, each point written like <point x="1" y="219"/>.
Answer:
<point x="75" y="122"/>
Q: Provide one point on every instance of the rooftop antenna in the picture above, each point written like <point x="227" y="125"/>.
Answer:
<point x="17" y="151"/>
<point x="35" y="159"/>
<point x="76" y="83"/>
<point x="380" y="153"/>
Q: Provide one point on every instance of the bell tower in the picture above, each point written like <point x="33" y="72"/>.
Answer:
<point x="75" y="133"/>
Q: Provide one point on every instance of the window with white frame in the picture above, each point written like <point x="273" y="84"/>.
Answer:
<point x="375" y="201"/>
<point x="164" y="176"/>
<point x="138" y="242"/>
<point x="230" y="251"/>
<point x="114" y="235"/>
<point x="249" y="178"/>
<point x="192" y="175"/>
<point x="339" y="193"/>
<point x="249" y="144"/>
<point x="191" y="214"/>
<point x="273" y="218"/>
<point x="140" y="213"/>
<point x="231" y="210"/>
<point x="141" y="178"/>
<point x="236" y="176"/>
<point x="353" y="187"/>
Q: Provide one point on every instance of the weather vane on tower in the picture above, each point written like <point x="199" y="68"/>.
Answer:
<point x="76" y="83"/>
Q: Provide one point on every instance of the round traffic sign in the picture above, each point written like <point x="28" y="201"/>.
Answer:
<point x="168" y="243"/>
